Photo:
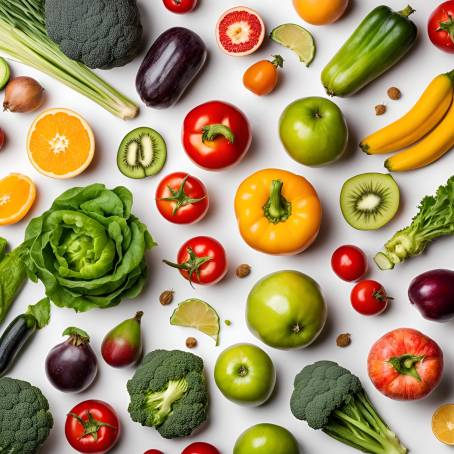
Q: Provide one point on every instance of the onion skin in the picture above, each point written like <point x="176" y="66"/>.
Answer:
<point x="23" y="94"/>
<point x="433" y="294"/>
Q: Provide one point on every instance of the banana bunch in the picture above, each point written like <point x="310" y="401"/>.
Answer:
<point x="425" y="133"/>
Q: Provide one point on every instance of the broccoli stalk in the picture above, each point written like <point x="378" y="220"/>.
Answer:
<point x="434" y="219"/>
<point x="329" y="397"/>
<point x="160" y="403"/>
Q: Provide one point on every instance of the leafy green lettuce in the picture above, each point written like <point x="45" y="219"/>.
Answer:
<point x="88" y="249"/>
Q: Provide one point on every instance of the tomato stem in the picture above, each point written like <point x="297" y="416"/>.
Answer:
<point x="91" y="425"/>
<point x="278" y="61"/>
<point x="180" y="197"/>
<point x="406" y="364"/>
<point x="448" y="26"/>
<point x="210" y="132"/>
<point x="277" y="208"/>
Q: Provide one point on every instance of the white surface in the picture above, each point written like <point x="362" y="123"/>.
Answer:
<point x="221" y="79"/>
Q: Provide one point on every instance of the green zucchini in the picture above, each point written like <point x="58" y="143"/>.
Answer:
<point x="379" y="42"/>
<point x="4" y="73"/>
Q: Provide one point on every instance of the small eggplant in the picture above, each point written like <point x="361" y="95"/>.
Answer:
<point x="171" y="64"/>
<point x="122" y="346"/>
<point x="72" y="365"/>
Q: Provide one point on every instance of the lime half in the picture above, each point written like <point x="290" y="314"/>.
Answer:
<point x="195" y="313"/>
<point x="296" y="38"/>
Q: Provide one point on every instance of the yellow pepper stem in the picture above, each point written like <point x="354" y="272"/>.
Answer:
<point x="277" y="209"/>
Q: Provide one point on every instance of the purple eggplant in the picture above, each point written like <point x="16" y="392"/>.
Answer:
<point x="72" y="365"/>
<point x="170" y="65"/>
<point x="433" y="294"/>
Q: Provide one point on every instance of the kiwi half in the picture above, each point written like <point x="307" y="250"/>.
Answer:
<point x="142" y="153"/>
<point x="370" y="200"/>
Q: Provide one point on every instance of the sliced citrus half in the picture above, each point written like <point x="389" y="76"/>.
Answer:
<point x="443" y="424"/>
<point x="17" y="194"/>
<point x="60" y="143"/>
<point x="195" y="313"/>
<point x="296" y="38"/>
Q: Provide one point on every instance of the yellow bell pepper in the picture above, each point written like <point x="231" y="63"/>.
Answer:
<point x="278" y="212"/>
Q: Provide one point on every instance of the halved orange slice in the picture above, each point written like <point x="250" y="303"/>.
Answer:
<point x="443" y="424"/>
<point x="17" y="194"/>
<point x="60" y="143"/>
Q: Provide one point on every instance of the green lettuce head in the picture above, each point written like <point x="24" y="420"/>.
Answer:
<point x="88" y="249"/>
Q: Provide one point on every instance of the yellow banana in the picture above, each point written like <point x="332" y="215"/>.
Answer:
<point x="428" y="150"/>
<point x="420" y="120"/>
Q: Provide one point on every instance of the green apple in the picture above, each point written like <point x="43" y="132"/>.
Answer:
<point x="245" y="374"/>
<point x="313" y="131"/>
<point x="286" y="310"/>
<point x="266" y="439"/>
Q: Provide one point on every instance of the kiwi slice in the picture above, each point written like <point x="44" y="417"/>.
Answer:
<point x="370" y="200"/>
<point x="142" y="153"/>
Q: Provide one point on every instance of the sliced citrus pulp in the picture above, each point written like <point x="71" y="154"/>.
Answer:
<point x="60" y="143"/>
<point x="195" y="313"/>
<point x="443" y="424"/>
<point x="17" y="194"/>
<point x="296" y="38"/>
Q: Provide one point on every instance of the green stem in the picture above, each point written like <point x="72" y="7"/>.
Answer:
<point x="277" y="208"/>
<point x="448" y="26"/>
<point x="278" y="61"/>
<point x="210" y="132"/>
<point x="91" y="425"/>
<point x="406" y="365"/>
<point x="77" y="336"/>
<point x="407" y="11"/>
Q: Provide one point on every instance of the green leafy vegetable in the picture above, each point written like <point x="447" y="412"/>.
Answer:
<point x="40" y="312"/>
<point x="24" y="38"/>
<point x="88" y="249"/>
<point x="329" y="397"/>
<point x="434" y="219"/>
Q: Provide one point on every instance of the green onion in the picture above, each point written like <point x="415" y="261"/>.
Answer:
<point x="24" y="38"/>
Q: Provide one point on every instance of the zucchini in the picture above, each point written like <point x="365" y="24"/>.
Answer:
<point x="379" y="42"/>
<point x="4" y="73"/>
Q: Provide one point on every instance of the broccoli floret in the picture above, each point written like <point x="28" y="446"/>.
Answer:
<point x="329" y="397"/>
<point x="25" y="419"/>
<point x="99" y="33"/>
<point x="169" y="392"/>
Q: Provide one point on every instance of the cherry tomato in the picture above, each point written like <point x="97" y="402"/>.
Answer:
<point x="261" y="78"/>
<point x="369" y="298"/>
<point x="201" y="260"/>
<point x="93" y="427"/>
<point x="182" y="198"/>
<point x="441" y="26"/>
<point x="153" y="451"/>
<point x="216" y="135"/>
<point x="200" y="448"/>
<point x="349" y="263"/>
<point x="2" y="138"/>
<point x="180" y="6"/>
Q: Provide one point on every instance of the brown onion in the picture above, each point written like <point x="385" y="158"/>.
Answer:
<point x="23" y="94"/>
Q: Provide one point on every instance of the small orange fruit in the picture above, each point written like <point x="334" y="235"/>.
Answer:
<point x="17" y="194"/>
<point x="443" y="424"/>
<point x="261" y="78"/>
<point x="320" y="12"/>
<point x="60" y="143"/>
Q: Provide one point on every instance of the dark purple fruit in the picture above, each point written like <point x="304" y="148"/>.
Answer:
<point x="72" y="365"/>
<point x="122" y="346"/>
<point x="433" y="294"/>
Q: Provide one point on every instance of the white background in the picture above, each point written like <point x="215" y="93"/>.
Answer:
<point x="221" y="79"/>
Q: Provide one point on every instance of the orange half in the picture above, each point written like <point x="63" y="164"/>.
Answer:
<point x="60" y="143"/>
<point x="17" y="194"/>
<point x="443" y="424"/>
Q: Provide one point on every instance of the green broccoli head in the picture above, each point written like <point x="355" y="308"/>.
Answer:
<point x="25" y="419"/>
<point x="320" y="389"/>
<point x="99" y="33"/>
<point x="169" y="392"/>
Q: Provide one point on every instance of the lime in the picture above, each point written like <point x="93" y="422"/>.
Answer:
<point x="195" y="313"/>
<point x="297" y="39"/>
<point x="443" y="424"/>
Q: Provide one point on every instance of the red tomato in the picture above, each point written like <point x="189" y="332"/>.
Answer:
<point x="349" y="263"/>
<point x="200" y="448"/>
<point x="92" y="427"/>
<point x="369" y="297"/>
<point x="201" y="260"/>
<point x="441" y="26"/>
<point x="182" y="198"/>
<point x="153" y="451"/>
<point x="180" y="6"/>
<point x="405" y="364"/>
<point x="216" y="135"/>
